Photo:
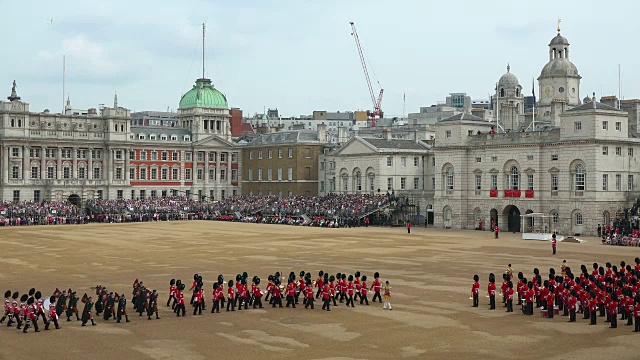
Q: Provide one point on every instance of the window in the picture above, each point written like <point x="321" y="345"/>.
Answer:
<point x="416" y="183"/>
<point x="81" y="173"/>
<point x="530" y="181"/>
<point x="449" y="178"/>
<point x="187" y="156"/>
<point x="554" y="157"/>
<point x="35" y="172"/>
<point x="36" y="195"/>
<point x="447" y="133"/>
<point x="290" y="151"/>
<point x="143" y="194"/>
<point x="154" y="194"/>
<point x="270" y="153"/>
<point x="618" y="126"/>
<point x="269" y="174"/>
<point x="140" y="136"/>
<point x="290" y="174"/>
<point x="250" y="155"/>
<point x="119" y="194"/>
<point x="478" y="159"/>
<point x="234" y="157"/>
<point x="605" y="125"/>
<point x="200" y="156"/>
<point x="578" y="219"/>
<point x="494" y="158"/>
<point x="630" y="182"/>
<point x="494" y="182"/>
<point x="212" y="174"/>
<point x="470" y="132"/>
<point x="514" y="178"/>
<point x="321" y="186"/>
<point x="618" y="151"/>
<point x="279" y="153"/>
<point x="605" y="182"/>
<point x="223" y="157"/>
<point x="416" y="161"/>
<point x="279" y="174"/>
<point x="389" y="161"/>
<point x="307" y="153"/>
<point x="389" y="183"/>
<point x="35" y="153"/>
<point x="478" y="182"/>
<point x="260" y="155"/>
<point x="132" y="155"/>
<point x="154" y="174"/>
<point x="143" y="155"/>
<point x="433" y="161"/>
<point x="580" y="177"/>
<point x="66" y="172"/>
<point x="577" y="125"/>
<point x="118" y="154"/>
<point x="618" y="182"/>
<point x="403" y="161"/>
<point x="15" y="152"/>
<point x="132" y="174"/>
<point x="143" y="174"/>
<point x="605" y="150"/>
<point x="174" y="138"/>
<point x="529" y="157"/>
<point x="554" y="182"/>
<point x="174" y="156"/>
<point x="223" y="174"/>
<point x="163" y="137"/>
<point x="187" y="174"/>
<point x="51" y="153"/>
<point x="152" y="137"/>
<point x="199" y="174"/>
<point x="630" y="151"/>
<point x="100" y="194"/>
<point x="96" y="173"/>
<point x="16" y="195"/>
<point x="175" y="174"/>
<point x="260" y="175"/>
<point x="403" y="183"/>
<point x="15" y="172"/>
<point x="555" y="217"/>
<point x="154" y="155"/>
<point x="433" y="183"/>
<point x="234" y="175"/>
<point x="165" y="156"/>
<point x="164" y="173"/>
<point x="322" y="165"/>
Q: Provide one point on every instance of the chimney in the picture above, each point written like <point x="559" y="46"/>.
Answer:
<point x="414" y="135"/>
<point x="342" y="135"/>
<point x="322" y="133"/>
<point x="386" y="134"/>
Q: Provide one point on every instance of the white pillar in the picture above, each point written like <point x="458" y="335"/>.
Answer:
<point x="90" y="164"/>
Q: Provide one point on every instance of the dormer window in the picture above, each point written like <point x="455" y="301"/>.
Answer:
<point x="152" y="137"/>
<point x="163" y="137"/>
<point x="141" y="137"/>
<point x="174" y="138"/>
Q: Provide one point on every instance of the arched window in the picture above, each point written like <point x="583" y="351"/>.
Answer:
<point x="345" y="183"/>
<point x="578" y="219"/>
<point x="556" y="217"/>
<point x="502" y="92"/>
<point x="517" y="92"/>
<point x="447" y="213"/>
<point x="372" y="178"/>
<point x="358" y="181"/>
<point x="449" y="178"/>
<point x="580" y="176"/>
<point x="514" y="178"/>
<point x="605" y="218"/>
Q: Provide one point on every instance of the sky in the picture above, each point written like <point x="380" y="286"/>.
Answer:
<point x="299" y="56"/>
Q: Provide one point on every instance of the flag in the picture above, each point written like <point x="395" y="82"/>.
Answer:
<point x="404" y="96"/>
<point x="533" y="90"/>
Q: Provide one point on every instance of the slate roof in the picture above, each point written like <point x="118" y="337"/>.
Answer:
<point x="593" y="105"/>
<point x="396" y="144"/>
<point x="464" y="117"/>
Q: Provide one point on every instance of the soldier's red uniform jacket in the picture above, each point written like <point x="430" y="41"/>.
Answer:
<point x="301" y="284"/>
<point x="628" y="305"/>
<point x="7" y="306"/>
<point x="256" y="292"/>
<point x="519" y="287"/>
<point x="551" y="298"/>
<point x="593" y="305"/>
<point x="529" y="296"/>
<point x="509" y="293"/>
<point x="291" y="289"/>
<point x="195" y="283"/>
<point x="196" y="297"/>
<point x="350" y="288"/>
<point x="544" y="293"/>
<point x="613" y="307"/>
<point x="270" y="286"/>
<point x="319" y="283"/>
<point x="39" y="305"/>
<point x="180" y="297"/>
<point x="475" y="288"/>
<point x="504" y="287"/>
<point x="31" y="312"/>
<point x="172" y="290"/>
<point x="491" y="289"/>
<point x="332" y="286"/>
<point x="357" y="284"/>
<point x="376" y="285"/>
<point x="23" y="309"/>
<point x="310" y="292"/>
<point x="636" y="311"/>
<point x="231" y="293"/>
<point x="52" y="311"/>
<point x="363" y="290"/>
<point x="276" y="291"/>
<point x="572" y="303"/>
<point x="326" y="292"/>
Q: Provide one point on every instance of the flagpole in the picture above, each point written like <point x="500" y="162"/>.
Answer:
<point x="533" y="88"/>
<point x="497" y="110"/>
<point x="404" y="103"/>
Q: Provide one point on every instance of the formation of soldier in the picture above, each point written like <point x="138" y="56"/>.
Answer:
<point x="609" y="292"/>
<point x="25" y="311"/>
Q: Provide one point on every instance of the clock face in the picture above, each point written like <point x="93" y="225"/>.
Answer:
<point x="548" y="91"/>
<point x="561" y="90"/>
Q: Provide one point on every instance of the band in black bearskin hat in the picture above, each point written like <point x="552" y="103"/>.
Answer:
<point x="193" y="286"/>
<point x="319" y="283"/>
<point x="231" y="299"/>
<point x="492" y="291"/>
<point x="357" y="284"/>
<point x="290" y="293"/>
<point x="376" y="286"/>
<point x="350" y="292"/>
<point x="7" y="306"/>
<point x="257" y="299"/>
<point x="30" y="317"/>
<point x="172" y="294"/>
<point x="53" y="317"/>
<point x="309" y="294"/>
<point x="39" y="305"/>
<point x="86" y="312"/>
<point x="180" y="308"/>
<point x="276" y="297"/>
<point x="216" y="298"/>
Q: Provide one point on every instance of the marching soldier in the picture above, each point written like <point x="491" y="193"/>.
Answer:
<point x="196" y="301"/>
<point x="152" y="306"/>
<point x="7" y="306"/>
<point x="122" y="309"/>
<point x="319" y="283"/>
<point x="53" y="316"/>
<point x="509" y="296"/>
<point x="326" y="297"/>
<point x="109" y="307"/>
<point x="257" y="295"/>
<point x="309" y="295"/>
<point x="491" y="291"/>
<point x="86" y="312"/>
<point x="216" y="298"/>
<point x="291" y="293"/>
<point x="73" y="306"/>
<point x="180" y="298"/>
<point x="350" y="292"/>
<point x="39" y="306"/>
<point x="172" y="293"/>
<point x="22" y="313"/>
<point x="31" y="319"/>
<point x="332" y="288"/>
<point x="375" y="286"/>
<point x="363" y="291"/>
<point x="61" y="304"/>
<point x="231" y="300"/>
<point x="475" y="290"/>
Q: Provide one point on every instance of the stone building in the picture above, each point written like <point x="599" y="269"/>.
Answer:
<point x="49" y="156"/>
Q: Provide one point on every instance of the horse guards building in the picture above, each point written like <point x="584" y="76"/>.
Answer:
<point x="573" y="160"/>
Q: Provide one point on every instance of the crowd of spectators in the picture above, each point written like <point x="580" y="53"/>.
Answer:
<point x="328" y="211"/>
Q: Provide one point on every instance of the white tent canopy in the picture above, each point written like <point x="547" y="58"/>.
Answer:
<point x="537" y="226"/>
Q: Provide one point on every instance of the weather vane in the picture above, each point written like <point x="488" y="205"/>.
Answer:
<point x="559" y="21"/>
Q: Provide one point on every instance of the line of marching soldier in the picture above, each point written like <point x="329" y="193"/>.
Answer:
<point x="609" y="292"/>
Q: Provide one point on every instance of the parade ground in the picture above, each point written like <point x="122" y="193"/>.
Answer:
<point x="430" y="272"/>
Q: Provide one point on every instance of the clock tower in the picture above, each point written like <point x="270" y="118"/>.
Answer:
<point x="559" y="79"/>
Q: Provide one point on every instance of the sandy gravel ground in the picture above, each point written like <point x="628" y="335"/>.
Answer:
<point x="430" y="271"/>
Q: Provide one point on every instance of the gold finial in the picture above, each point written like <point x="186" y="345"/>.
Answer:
<point x="559" y="21"/>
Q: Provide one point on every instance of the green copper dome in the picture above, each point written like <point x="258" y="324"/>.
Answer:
<point x="203" y="94"/>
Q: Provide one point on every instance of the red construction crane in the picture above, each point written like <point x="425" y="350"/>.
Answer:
<point x="377" y="112"/>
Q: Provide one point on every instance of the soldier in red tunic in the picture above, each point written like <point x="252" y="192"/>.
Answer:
<point x="475" y="290"/>
<point x="277" y="295"/>
<point x="376" y="286"/>
<point x="593" y="306"/>
<point x="257" y="294"/>
<point x="7" y="306"/>
<point x="31" y="318"/>
<point x="172" y="293"/>
<point x="636" y="314"/>
<point x="180" y="299"/>
<point x="53" y="316"/>
<point x="231" y="299"/>
<point x="332" y="288"/>
<point x="214" y="297"/>
<point x="309" y="295"/>
<point x="357" y="284"/>
<point x="491" y="291"/>
<point x="572" y="306"/>
<point x="291" y="293"/>
<point x="326" y="297"/>
<point x="551" y="299"/>
<point x="197" y="301"/>
<point x="363" y="291"/>
<point x="553" y="243"/>
<point x="319" y="283"/>
<point x="529" y="298"/>
<point x="509" y="296"/>
<point x="350" y="292"/>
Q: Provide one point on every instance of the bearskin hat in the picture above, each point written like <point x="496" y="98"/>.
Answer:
<point x="332" y="278"/>
<point x="492" y="278"/>
<point x="178" y="282"/>
<point x="552" y="271"/>
<point x="38" y="295"/>
<point x="276" y="281"/>
<point x="7" y="294"/>
<point x="476" y="278"/>
<point x="254" y="278"/>
<point x="53" y="299"/>
<point x="289" y="281"/>
<point x="181" y="287"/>
<point x="321" y="273"/>
<point x="536" y="271"/>
<point x="520" y="275"/>
<point x="199" y="278"/>
<point x="196" y="289"/>
<point x="338" y="276"/>
<point x="195" y="276"/>
<point x="344" y="276"/>
<point x="546" y="283"/>
<point x="538" y="280"/>
<point x="608" y="265"/>
<point x="243" y="281"/>
<point x="277" y="274"/>
<point x="637" y="260"/>
<point x="215" y="285"/>
<point x="364" y="278"/>
<point x="357" y="274"/>
<point x="302" y="273"/>
<point x="350" y="278"/>
<point x="230" y="284"/>
<point x="530" y="285"/>
<point x="308" y="282"/>
<point x="172" y="282"/>
<point x="31" y="300"/>
<point x="24" y="297"/>
<point x="510" y="284"/>
<point x="376" y="275"/>
<point x="220" y="277"/>
<point x="326" y="277"/>
<point x="601" y="270"/>
<point x="257" y="280"/>
<point x="245" y="275"/>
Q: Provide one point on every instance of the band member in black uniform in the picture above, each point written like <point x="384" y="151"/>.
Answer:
<point x="86" y="312"/>
<point x="122" y="309"/>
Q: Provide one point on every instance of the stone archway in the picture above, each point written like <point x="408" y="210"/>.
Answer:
<point x="512" y="214"/>
<point x="493" y="216"/>
<point x="75" y="199"/>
